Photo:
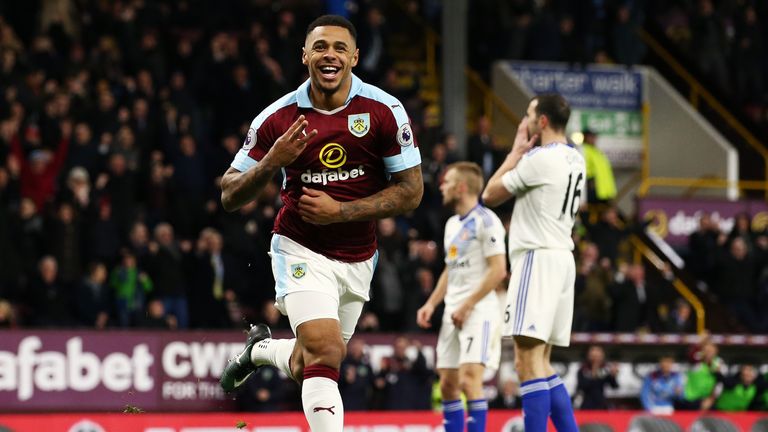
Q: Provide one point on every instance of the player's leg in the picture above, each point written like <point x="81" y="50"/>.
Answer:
<point x="534" y="390"/>
<point x="453" y="409"/>
<point x="471" y="382"/>
<point x="528" y="318"/>
<point x="448" y="355"/>
<point x="320" y="350"/>
<point x="477" y="349"/>
<point x="561" y="409"/>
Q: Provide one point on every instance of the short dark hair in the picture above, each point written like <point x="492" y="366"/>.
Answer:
<point x="556" y="108"/>
<point x="333" y="20"/>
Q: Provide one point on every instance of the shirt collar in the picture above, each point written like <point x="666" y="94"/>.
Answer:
<point x="302" y="93"/>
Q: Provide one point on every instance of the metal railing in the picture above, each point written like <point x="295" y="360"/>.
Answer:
<point x="698" y="308"/>
<point x="699" y="93"/>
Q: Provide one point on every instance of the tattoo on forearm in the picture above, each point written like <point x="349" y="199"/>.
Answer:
<point x="242" y="188"/>
<point x="402" y="195"/>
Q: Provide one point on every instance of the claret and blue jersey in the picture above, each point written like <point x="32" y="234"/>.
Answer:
<point x="357" y="147"/>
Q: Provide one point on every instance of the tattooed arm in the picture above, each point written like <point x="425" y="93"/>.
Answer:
<point x="239" y="188"/>
<point x="402" y="195"/>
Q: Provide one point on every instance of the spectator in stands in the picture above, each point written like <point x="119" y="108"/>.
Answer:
<point x="372" y="42"/>
<point x="508" y="397"/>
<point x="740" y="391"/>
<point x="701" y="380"/>
<point x="633" y="299"/>
<point x="736" y="278"/>
<point x="120" y="185"/>
<point x="356" y="378"/>
<point x="102" y="234"/>
<point x="593" y="303"/>
<point x="483" y="149"/>
<point x="41" y="167"/>
<point x="7" y="315"/>
<point x="165" y="267"/>
<point x="48" y="300"/>
<point x="64" y="235"/>
<point x="702" y="249"/>
<point x="593" y="376"/>
<point x="680" y="319"/>
<point x="131" y="287"/>
<point x="662" y="387"/>
<point x="742" y="228"/>
<point x="85" y="151"/>
<point x="156" y="317"/>
<point x="748" y="55"/>
<point x="207" y="281"/>
<point x="30" y="237"/>
<point x="710" y="41"/>
<point x="94" y="300"/>
<point x="609" y="234"/>
<point x="405" y="377"/>
<point x="601" y="186"/>
<point x="263" y="392"/>
<point x="273" y="318"/>
<point x="628" y="48"/>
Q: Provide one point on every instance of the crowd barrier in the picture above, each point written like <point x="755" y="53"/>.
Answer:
<point x="498" y="421"/>
<point x="77" y="371"/>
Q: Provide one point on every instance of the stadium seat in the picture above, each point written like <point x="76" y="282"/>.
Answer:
<point x="648" y="423"/>
<point x="760" y="425"/>
<point x="713" y="424"/>
<point x="595" y="427"/>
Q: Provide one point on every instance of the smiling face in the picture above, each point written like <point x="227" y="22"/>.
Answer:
<point x="330" y="53"/>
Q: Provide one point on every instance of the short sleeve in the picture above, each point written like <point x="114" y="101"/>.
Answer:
<point x="261" y="134"/>
<point x="400" y="150"/>
<point x="524" y="176"/>
<point x="492" y="235"/>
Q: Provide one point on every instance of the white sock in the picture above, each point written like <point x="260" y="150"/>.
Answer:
<point x="322" y="404"/>
<point x="275" y="352"/>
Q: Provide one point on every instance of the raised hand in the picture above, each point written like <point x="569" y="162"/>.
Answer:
<point x="523" y="143"/>
<point x="289" y="146"/>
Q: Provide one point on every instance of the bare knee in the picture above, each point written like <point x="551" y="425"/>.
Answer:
<point x="471" y="381"/>
<point x="449" y="385"/>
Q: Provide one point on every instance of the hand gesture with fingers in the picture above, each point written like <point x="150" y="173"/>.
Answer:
<point x="289" y="146"/>
<point x="318" y="207"/>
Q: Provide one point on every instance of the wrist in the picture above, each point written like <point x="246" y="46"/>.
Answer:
<point x="342" y="217"/>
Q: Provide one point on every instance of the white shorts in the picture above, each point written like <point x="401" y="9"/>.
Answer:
<point x="540" y="296"/>
<point x="309" y="286"/>
<point x="478" y="340"/>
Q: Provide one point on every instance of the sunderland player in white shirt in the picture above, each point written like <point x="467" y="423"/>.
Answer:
<point x="548" y="182"/>
<point x="475" y="264"/>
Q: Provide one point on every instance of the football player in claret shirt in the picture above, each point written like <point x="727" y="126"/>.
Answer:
<point x="348" y="157"/>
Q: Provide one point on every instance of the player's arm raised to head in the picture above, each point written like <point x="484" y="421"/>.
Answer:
<point x="402" y="195"/>
<point x="241" y="187"/>
<point x="495" y="192"/>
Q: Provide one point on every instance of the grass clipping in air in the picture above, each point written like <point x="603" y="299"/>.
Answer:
<point x="130" y="409"/>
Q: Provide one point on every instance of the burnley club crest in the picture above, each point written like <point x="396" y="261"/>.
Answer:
<point x="359" y="124"/>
